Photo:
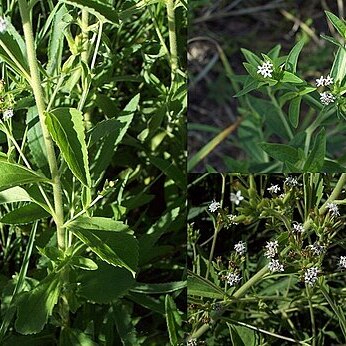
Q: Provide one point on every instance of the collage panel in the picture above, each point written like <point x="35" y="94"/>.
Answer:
<point x="266" y="259"/>
<point x="267" y="86"/>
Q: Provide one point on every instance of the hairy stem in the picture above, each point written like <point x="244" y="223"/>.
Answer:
<point x="172" y="37"/>
<point x="39" y="98"/>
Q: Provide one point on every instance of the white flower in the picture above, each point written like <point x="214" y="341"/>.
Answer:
<point x="233" y="278"/>
<point x="342" y="262"/>
<point x="298" y="227"/>
<point x="326" y="98"/>
<point x="320" y="81"/>
<point x="240" y="247"/>
<point x="8" y="114"/>
<point x="317" y="249"/>
<point x="310" y="276"/>
<point x="291" y="181"/>
<point x="266" y="69"/>
<point x="236" y="197"/>
<point x="3" y="25"/>
<point x="231" y="218"/>
<point x="274" y="189"/>
<point x="275" y="266"/>
<point x="324" y="81"/>
<point x="272" y="249"/>
<point x="214" y="206"/>
<point x="333" y="209"/>
<point x="192" y="342"/>
<point x="328" y="81"/>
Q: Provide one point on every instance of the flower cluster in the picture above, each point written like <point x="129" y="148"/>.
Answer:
<point x="236" y="197"/>
<point x="266" y="69"/>
<point x="3" y="25"/>
<point x="214" y="206"/>
<point x="333" y="209"/>
<point x="291" y="181"/>
<point x="272" y="249"/>
<point x="310" y="276"/>
<point x="274" y="189"/>
<point x="192" y="342"/>
<point x="231" y="218"/>
<point x="233" y="278"/>
<point x="317" y="249"/>
<point x="297" y="227"/>
<point x="7" y="114"/>
<point x="342" y="262"/>
<point x="327" y="98"/>
<point x="324" y="81"/>
<point x="275" y="266"/>
<point x="240" y="248"/>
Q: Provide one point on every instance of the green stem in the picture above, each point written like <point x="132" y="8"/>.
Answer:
<point x="281" y="114"/>
<point x="312" y="317"/>
<point x="38" y="94"/>
<point x="172" y="37"/>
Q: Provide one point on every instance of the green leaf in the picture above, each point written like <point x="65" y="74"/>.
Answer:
<point x="97" y="8"/>
<point x="281" y="152"/>
<point x="83" y="263"/>
<point x="38" y="304"/>
<point x="242" y="336"/>
<point x="13" y="174"/>
<point x="111" y="240"/>
<point x="14" y="194"/>
<point x="173" y="320"/>
<point x="249" y="85"/>
<point x="294" y="111"/>
<point x="170" y="169"/>
<point x="289" y="77"/>
<point x="104" y="284"/>
<point x="251" y="58"/>
<point x="199" y="286"/>
<point x="315" y="160"/>
<point x="159" y="288"/>
<point x="274" y="52"/>
<point x="332" y="40"/>
<point x="67" y="129"/>
<point x="338" y="70"/>
<point x="72" y="337"/>
<point x="24" y="215"/>
<point x="292" y="58"/>
<point x="36" y="141"/>
<point x="338" y="23"/>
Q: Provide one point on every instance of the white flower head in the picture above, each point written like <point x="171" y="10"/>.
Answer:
<point x="291" y="181"/>
<point x="266" y="69"/>
<point x="231" y="218"/>
<point x="240" y="247"/>
<point x="297" y="227"/>
<point x="274" y="189"/>
<point x="275" y="266"/>
<point x="214" y="206"/>
<point x="310" y="275"/>
<point x="342" y="262"/>
<point x="317" y="249"/>
<point x="236" y="197"/>
<point x="233" y="278"/>
<point x="320" y="81"/>
<point x="192" y="342"/>
<point x="3" y="25"/>
<point x="324" y="81"/>
<point x="8" y="114"/>
<point x="272" y="249"/>
<point x="333" y="209"/>
<point x="327" y="98"/>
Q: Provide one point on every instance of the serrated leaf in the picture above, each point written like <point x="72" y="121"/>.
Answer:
<point x="97" y="8"/>
<point x="105" y="284"/>
<point x="83" y="263"/>
<point x="159" y="288"/>
<point x="111" y="240"/>
<point x="38" y="304"/>
<point x="67" y="129"/>
<point x="173" y="320"/>
<point x="292" y="58"/>
<point x="14" y="194"/>
<point x="13" y="174"/>
<point x="24" y="215"/>
<point x="35" y="140"/>
<point x="294" y="111"/>
<point x="199" y="286"/>
<point x="72" y="337"/>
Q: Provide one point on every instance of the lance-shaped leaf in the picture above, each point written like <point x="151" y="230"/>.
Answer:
<point x="13" y="174"/>
<point x="67" y="129"/>
<point x="111" y="240"/>
<point x="24" y="215"/>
